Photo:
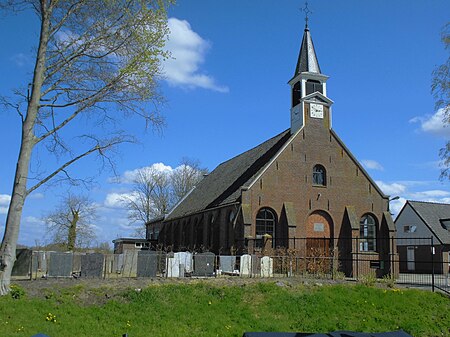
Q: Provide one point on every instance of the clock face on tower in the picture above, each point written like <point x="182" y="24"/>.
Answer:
<point x="316" y="110"/>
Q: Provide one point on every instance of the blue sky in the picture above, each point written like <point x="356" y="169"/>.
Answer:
<point x="227" y="91"/>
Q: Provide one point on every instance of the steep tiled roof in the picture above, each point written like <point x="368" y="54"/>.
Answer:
<point x="432" y="213"/>
<point x="223" y="185"/>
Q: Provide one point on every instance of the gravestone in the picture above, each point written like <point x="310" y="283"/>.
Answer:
<point x="60" y="264"/>
<point x="43" y="261"/>
<point x="22" y="266"/>
<point x="38" y="262"/>
<point x="109" y="263"/>
<point x="204" y="264"/>
<point x="118" y="263"/>
<point x="92" y="265"/>
<point x="76" y="264"/>
<point x="130" y="263"/>
<point x="173" y="265"/>
<point x="147" y="263"/>
<point x="185" y="259"/>
<point x="35" y="262"/>
<point x="266" y="266"/>
<point x="227" y="263"/>
<point x="246" y="265"/>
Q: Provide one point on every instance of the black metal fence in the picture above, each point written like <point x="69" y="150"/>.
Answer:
<point x="415" y="262"/>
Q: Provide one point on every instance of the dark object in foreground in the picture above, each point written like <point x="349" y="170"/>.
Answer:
<point x="399" y="333"/>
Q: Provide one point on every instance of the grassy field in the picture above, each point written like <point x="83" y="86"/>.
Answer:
<point x="205" y="309"/>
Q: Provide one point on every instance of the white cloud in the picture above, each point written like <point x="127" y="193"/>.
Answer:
<point x="4" y="203"/>
<point x="130" y="175"/>
<point x="429" y="165"/>
<point x="433" y="124"/>
<point x="391" y="189"/>
<point x="430" y="191"/>
<point x="21" y="59"/>
<point x="430" y="195"/>
<point x="372" y="165"/>
<point x="115" y="200"/>
<point x="188" y="51"/>
<point x="395" y="206"/>
<point x="5" y="199"/>
<point x="34" y="220"/>
<point x="37" y="195"/>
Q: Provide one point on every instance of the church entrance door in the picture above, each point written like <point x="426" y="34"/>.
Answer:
<point x="319" y="229"/>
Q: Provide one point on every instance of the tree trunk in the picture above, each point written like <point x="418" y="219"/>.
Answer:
<point x="19" y="191"/>
<point x="72" y="236"/>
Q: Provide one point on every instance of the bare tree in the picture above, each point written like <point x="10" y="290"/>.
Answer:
<point x="96" y="62"/>
<point x="70" y="224"/>
<point x="150" y="197"/>
<point x="156" y="191"/>
<point x="185" y="177"/>
<point x="440" y="87"/>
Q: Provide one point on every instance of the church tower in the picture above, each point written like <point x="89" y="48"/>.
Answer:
<point x="309" y="88"/>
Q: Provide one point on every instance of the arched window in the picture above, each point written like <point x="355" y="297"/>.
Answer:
<point x="319" y="175"/>
<point x="296" y="93"/>
<point x="265" y="224"/>
<point x="367" y="234"/>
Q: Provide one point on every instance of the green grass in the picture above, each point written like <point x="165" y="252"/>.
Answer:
<point x="202" y="309"/>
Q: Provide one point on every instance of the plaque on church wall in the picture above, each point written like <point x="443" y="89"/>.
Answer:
<point x="319" y="227"/>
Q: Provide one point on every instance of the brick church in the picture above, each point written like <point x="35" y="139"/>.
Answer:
<point x="299" y="190"/>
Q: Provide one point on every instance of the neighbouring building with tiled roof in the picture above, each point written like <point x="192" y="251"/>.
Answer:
<point x="423" y="230"/>
<point x="302" y="190"/>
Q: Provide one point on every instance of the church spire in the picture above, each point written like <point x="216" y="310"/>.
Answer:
<point x="307" y="58"/>
<point x="310" y="103"/>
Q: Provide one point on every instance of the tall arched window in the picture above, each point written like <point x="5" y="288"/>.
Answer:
<point x="265" y="223"/>
<point x="296" y="94"/>
<point x="367" y="234"/>
<point x="319" y="175"/>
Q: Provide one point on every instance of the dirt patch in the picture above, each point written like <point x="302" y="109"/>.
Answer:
<point x="98" y="291"/>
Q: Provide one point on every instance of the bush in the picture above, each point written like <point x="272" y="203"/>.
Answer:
<point x="17" y="292"/>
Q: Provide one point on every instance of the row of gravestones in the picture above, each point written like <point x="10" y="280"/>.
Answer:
<point x="140" y="264"/>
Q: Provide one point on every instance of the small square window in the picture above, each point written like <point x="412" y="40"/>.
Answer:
<point x="409" y="228"/>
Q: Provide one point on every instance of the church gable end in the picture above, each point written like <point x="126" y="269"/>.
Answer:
<point x="301" y="190"/>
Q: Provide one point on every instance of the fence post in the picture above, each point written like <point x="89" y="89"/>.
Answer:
<point x="357" y="258"/>
<point x="432" y="264"/>
<point x="392" y="262"/>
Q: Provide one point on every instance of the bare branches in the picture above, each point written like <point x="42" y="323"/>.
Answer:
<point x="186" y="176"/>
<point x="101" y="148"/>
<point x="150" y="196"/>
<point x="71" y="223"/>
<point x="156" y="190"/>
<point x="15" y="106"/>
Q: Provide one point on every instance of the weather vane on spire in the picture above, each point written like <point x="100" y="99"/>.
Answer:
<point x="307" y="11"/>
